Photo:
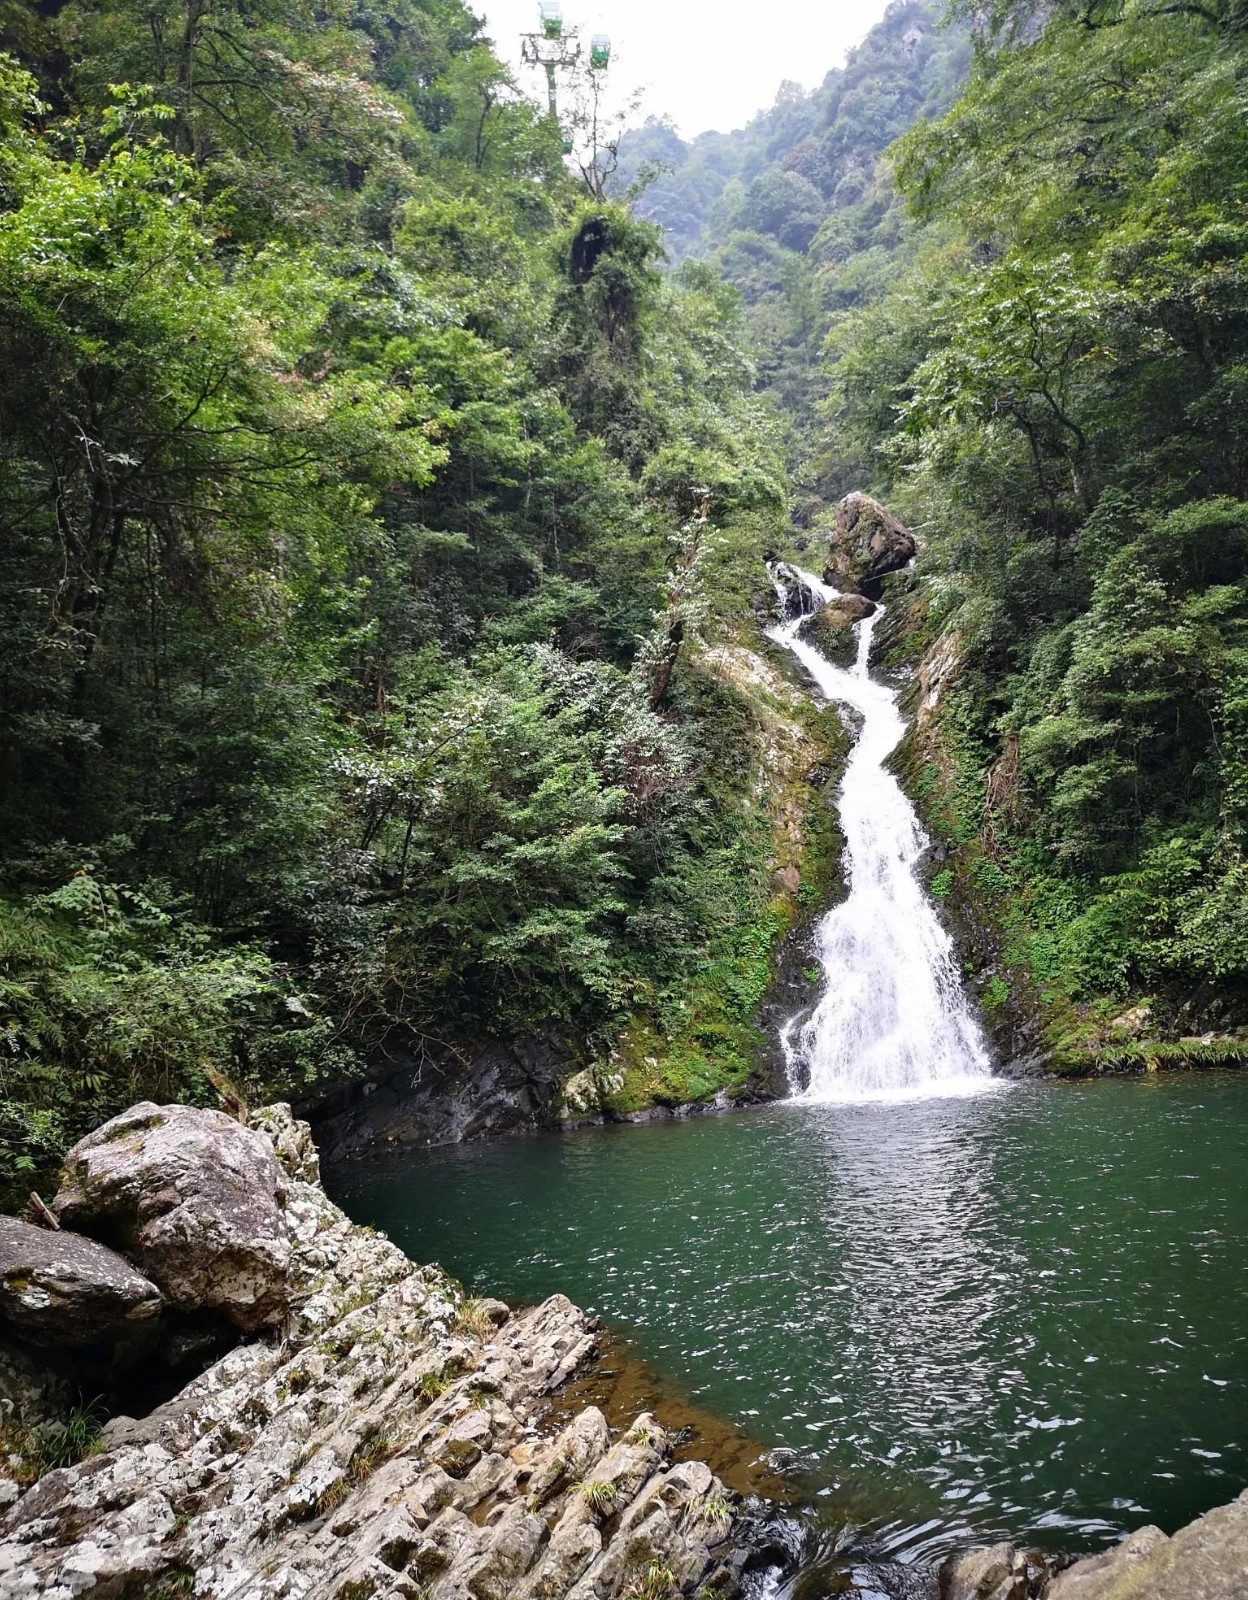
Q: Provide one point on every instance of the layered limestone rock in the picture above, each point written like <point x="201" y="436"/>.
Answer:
<point x="389" y="1442"/>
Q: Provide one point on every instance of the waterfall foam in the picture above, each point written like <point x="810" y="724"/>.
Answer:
<point x="892" y="1020"/>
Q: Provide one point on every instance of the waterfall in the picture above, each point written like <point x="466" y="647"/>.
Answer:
<point x="892" y="1020"/>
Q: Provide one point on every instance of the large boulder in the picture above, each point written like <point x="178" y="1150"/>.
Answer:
<point x="193" y="1198"/>
<point x="867" y="542"/>
<point x="59" y="1290"/>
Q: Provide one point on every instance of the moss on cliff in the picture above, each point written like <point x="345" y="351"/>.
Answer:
<point x="706" y="1041"/>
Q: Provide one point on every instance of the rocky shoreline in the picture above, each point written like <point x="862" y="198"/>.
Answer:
<point x="385" y="1439"/>
<point x="370" y="1431"/>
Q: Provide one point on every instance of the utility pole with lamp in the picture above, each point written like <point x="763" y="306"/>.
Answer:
<point x="555" y="48"/>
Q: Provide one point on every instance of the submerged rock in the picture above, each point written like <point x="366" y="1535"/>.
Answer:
<point x="868" y="541"/>
<point x="61" y="1291"/>
<point x="192" y="1198"/>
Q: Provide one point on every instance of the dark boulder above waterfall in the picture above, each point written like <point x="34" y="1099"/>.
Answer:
<point x="59" y="1290"/>
<point x="868" y="541"/>
<point x="193" y="1198"/>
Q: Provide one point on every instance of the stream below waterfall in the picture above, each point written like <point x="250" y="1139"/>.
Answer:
<point x="966" y="1310"/>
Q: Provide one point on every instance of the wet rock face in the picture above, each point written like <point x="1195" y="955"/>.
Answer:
<point x="796" y="597"/>
<point x="459" y="1096"/>
<point x="390" y="1445"/>
<point x="60" y="1290"/>
<point x="831" y="628"/>
<point x="868" y="541"/>
<point x="192" y="1198"/>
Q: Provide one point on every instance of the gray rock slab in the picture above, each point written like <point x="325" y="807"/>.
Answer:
<point x="1207" y="1560"/>
<point x="61" y="1290"/>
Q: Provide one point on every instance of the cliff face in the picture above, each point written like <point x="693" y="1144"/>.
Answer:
<point x="386" y="1440"/>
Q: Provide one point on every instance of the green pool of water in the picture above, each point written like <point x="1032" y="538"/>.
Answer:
<point x="1022" y="1314"/>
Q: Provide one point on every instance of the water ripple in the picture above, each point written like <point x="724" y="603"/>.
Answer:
<point x="1023" y="1314"/>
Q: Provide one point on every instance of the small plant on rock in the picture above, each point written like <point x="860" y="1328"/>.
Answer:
<point x="599" y="1497"/>
<point x="331" y="1497"/>
<point x="658" y="1582"/>
<point x="174" y="1584"/>
<point x="432" y="1384"/>
<point x="716" y="1510"/>
<point x="369" y="1455"/>
<point x="474" y="1319"/>
<point x="42" y="1446"/>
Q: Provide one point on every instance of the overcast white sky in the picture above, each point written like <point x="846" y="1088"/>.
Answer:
<point x="708" y="66"/>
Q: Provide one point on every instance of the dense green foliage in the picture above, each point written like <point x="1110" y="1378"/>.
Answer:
<point x="368" y="488"/>
<point x="1025" y="323"/>
<point x="364" y="489"/>
<point x="1053" y="387"/>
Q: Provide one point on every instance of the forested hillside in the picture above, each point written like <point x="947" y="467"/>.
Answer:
<point x="1023" y="324"/>
<point x="365" y="490"/>
<point x="382" y="514"/>
<point x="1052" y="388"/>
<point x="798" y="210"/>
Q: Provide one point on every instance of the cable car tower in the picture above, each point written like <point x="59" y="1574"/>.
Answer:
<point x="555" y="48"/>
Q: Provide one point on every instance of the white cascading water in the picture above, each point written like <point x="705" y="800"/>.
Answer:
<point x="893" y="1021"/>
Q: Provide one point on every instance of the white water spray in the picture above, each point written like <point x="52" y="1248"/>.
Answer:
<point x="893" y="1020"/>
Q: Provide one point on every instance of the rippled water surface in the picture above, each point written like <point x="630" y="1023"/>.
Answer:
<point x="1022" y="1313"/>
